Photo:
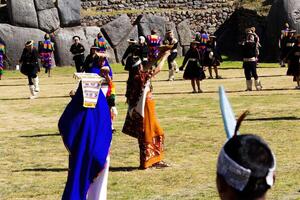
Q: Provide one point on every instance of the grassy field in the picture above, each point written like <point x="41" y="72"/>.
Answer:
<point x="33" y="159"/>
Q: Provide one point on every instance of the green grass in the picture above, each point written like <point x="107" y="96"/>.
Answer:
<point x="118" y="68"/>
<point x="33" y="161"/>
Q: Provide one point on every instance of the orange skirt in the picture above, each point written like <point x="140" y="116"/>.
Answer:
<point x="151" y="142"/>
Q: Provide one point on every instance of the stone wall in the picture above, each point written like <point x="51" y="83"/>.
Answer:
<point x="207" y="14"/>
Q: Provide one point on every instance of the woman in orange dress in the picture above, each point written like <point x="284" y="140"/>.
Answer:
<point x="141" y="121"/>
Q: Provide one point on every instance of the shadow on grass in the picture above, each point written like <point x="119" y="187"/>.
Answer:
<point x="40" y="135"/>
<point x="12" y="85"/>
<point x="26" y="98"/>
<point x="42" y="170"/>
<point x="123" y="169"/>
<point x="289" y="118"/>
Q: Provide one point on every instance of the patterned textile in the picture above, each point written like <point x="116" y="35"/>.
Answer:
<point x="101" y="43"/>
<point x="1" y="64"/>
<point x="152" y="141"/>
<point x="203" y="40"/>
<point x="47" y="46"/>
<point x="153" y="42"/>
<point x="148" y="132"/>
<point x="87" y="134"/>
<point x="2" y="48"/>
<point x="46" y="59"/>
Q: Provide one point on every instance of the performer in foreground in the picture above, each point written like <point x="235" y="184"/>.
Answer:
<point x="246" y="164"/>
<point x="93" y="64"/>
<point x="85" y="126"/>
<point x="30" y="68"/>
<point x="141" y="122"/>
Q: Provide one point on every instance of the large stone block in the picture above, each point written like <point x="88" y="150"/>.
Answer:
<point x="44" y="4"/>
<point x="184" y="33"/>
<point x="117" y="29"/>
<point x="69" y="12"/>
<point x="282" y="11"/>
<point x="150" y="22"/>
<point x="15" y="38"/>
<point x="48" y="20"/>
<point x="118" y="32"/>
<point x="123" y="44"/>
<point x="63" y="41"/>
<point x="22" y="13"/>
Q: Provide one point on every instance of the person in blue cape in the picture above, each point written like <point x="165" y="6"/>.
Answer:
<point x="87" y="135"/>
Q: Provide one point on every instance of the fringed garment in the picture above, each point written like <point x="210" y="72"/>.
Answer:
<point x="141" y="122"/>
<point x="2" y="52"/>
<point x="46" y="51"/>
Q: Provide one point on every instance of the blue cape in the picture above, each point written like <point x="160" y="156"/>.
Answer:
<point x="87" y="135"/>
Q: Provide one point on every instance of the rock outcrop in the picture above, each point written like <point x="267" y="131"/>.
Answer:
<point x="49" y="20"/>
<point x="22" y="13"/>
<point x="282" y="11"/>
<point x="15" y="39"/>
<point x="69" y="12"/>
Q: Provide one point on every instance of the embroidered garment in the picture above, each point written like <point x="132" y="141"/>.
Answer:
<point x="141" y="123"/>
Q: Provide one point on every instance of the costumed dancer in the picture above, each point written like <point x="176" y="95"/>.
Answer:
<point x="293" y="59"/>
<point x="282" y="43"/>
<point x="95" y="63"/>
<point x="246" y="164"/>
<point x="153" y="42"/>
<point x="90" y="59"/>
<point x="77" y="49"/>
<point x="46" y="49"/>
<point x="30" y="67"/>
<point x="252" y="31"/>
<point x="290" y="42"/>
<point x="204" y="37"/>
<point x="171" y="40"/>
<point x="102" y="45"/>
<point x="212" y="57"/>
<point x="85" y="126"/>
<point x="250" y="62"/>
<point x="2" y="57"/>
<point x="194" y="70"/>
<point x="143" y="50"/>
<point x="131" y="52"/>
<point x="141" y="122"/>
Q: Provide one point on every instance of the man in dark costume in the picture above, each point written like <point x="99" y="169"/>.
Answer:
<point x="131" y="51"/>
<point x="250" y="62"/>
<point x="77" y="49"/>
<point x="212" y="57"/>
<point x="293" y="58"/>
<point x="30" y="67"/>
<point x="282" y="43"/>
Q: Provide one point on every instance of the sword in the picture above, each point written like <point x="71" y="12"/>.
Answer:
<point x="227" y="114"/>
